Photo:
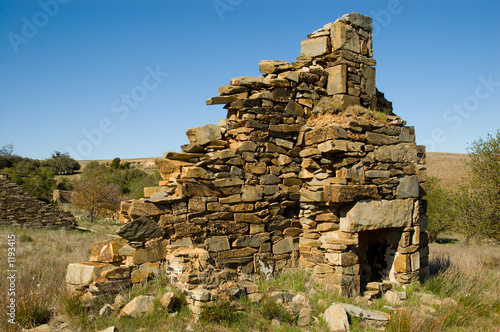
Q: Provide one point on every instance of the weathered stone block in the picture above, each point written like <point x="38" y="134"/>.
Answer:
<point x="376" y="214"/>
<point x="377" y="173"/>
<point x="150" y="191"/>
<point x="240" y="256"/>
<point x="344" y="37"/>
<point x="357" y="19"/>
<point x="220" y="100"/>
<point x="193" y="172"/>
<point x="337" y="80"/>
<point x="398" y="153"/>
<point x="250" y="218"/>
<point x="415" y="261"/>
<point x="379" y="139"/>
<point x="273" y="66"/>
<point x="336" y="318"/>
<point x="326" y="133"/>
<point x="251" y="193"/>
<point x="82" y="274"/>
<point x="257" y="228"/>
<point x="253" y="241"/>
<point x="142" y="208"/>
<point x="402" y="263"/>
<point x="204" y="134"/>
<point x="308" y="196"/>
<point x="294" y="109"/>
<point x="342" y="194"/>
<point x="139" y="306"/>
<point x="141" y="229"/>
<point x="283" y="246"/>
<point x="228" y="182"/>
<point x="315" y="47"/>
<point x="368" y="73"/>
<point x="154" y="251"/>
<point x="217" y="243"/>
<point x="408" y="187"/>
<point x="248" y="81"/>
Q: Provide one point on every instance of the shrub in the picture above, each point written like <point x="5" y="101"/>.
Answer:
<point x="95" y="196"/>
<point x="479" y="198"/>
<point x="441" y="209"/>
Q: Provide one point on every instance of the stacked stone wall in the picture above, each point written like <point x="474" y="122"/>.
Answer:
<point x="19" y="209"/>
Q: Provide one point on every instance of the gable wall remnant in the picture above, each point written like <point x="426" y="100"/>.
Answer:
<point x="309" y="160"/>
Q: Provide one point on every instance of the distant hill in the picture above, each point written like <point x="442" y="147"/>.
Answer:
<point x="146" y="164"/>
<point x="449" y="167"/>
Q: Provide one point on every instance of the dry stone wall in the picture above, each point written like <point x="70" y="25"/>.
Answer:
<point x="310" y="168"/>
<point x="19" y="209"/>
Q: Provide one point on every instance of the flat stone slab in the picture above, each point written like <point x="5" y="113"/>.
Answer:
<point x="376" y="214"/>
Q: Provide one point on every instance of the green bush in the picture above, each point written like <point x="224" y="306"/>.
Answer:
<point x="441" y="209"/>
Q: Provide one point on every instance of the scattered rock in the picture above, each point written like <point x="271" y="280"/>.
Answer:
<point x="106" y="310"/>
<point x="139" y="306"/>
<point x="168" y="301"/>
<point x="336" y="318"/>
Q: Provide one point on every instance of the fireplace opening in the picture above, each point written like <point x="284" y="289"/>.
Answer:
<point x="377" y="249"/>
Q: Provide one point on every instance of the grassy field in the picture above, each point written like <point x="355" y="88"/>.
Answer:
<point x="470" y="275"/>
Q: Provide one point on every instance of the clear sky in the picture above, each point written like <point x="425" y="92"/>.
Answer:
<point x="102" y="79"/>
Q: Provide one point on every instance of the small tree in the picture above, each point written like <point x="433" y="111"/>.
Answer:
<point x="441" y="208"/>
<point x="95" y="196"/>
<point x="115" y="164"/>
<point x="62" y="163"/>
<point x="7" y="150"/>
<point x="479" y="198"/>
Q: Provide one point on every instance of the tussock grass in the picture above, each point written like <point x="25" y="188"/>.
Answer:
<point x="461" y="273"/>
<point x="42" y="257"/>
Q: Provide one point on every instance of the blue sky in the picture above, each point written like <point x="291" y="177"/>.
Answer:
<point x="67" y="67"/>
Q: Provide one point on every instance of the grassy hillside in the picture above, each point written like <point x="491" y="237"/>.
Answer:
<point x="449" y="167"/>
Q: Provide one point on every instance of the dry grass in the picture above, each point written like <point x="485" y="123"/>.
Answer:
<point x="449" y="167"/>
<point x="42" y="257"/>
<point x="470" y="275"/>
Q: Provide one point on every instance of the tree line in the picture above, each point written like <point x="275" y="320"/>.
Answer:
<point x="37" y="177"/>
<point x="98" y="189"/>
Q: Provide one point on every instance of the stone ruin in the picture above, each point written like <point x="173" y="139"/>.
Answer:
<point x="20" y="209"/>
<point x="310" y="169"/>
